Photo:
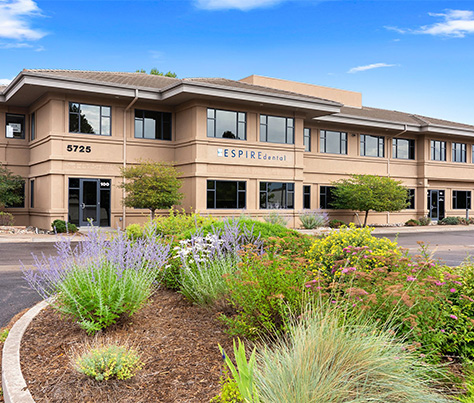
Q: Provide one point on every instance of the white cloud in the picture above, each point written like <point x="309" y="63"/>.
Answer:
<point x="156" y="54"/>
<point x="5" y="81"/>
<point x="243" y="5"/>
<point x="16" y="45"/>
<point x="455" y="23"/>
<point x="14" y="20"/>
<point x="370" y="67"/>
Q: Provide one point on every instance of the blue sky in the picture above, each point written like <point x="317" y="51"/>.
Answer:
<point x="412" y="56"/>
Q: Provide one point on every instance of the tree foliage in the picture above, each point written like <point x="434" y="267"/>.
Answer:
<point x="369" y="192"/>
<point x="10" y="187"/>
<point x="154" y="71"/>
<point x="151" y="185"/>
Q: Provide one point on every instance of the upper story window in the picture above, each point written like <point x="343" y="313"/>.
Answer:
<point x="275" y="129"/>
<point x="307" y="139"/>
<point x="33" y="126"/>
<point x="15" y="126"/>
<point x="89" y="119"/>
<point x="403" y="149"/>
<point x="333" y="142"/>
<point x="459" y="152"/>
<point x="277" y="195"/>
<point x="226" y="194"/>
<point x="438" y="150"/>
<point x="226" y="124"/>
<point x="152" y="125"/>
<point x="372" y="146"/>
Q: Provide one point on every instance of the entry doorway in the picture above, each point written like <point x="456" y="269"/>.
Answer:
<point x="89" y="202"/>
<point x="436" y="204"/>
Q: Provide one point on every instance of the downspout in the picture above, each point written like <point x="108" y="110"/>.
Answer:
<point x="125" y="150"/>
<point x="389" y="157"/>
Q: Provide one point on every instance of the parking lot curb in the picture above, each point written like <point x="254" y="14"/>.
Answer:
<point x="14" y="385"/>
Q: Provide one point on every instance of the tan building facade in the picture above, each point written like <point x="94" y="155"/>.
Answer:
<point x="249" y="146"/>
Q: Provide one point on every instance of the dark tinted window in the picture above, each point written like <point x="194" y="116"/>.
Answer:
<point x="461" y="199"/>
<point x="403" y="149"/>
<point x="459" y="152"/>
<point x="15" y="126"/>
<point x="152" y="125"/>
<point x="411" y="199"/>
<point x="226" y="124"/>
<point x="277" y="195"/>
<point x="226" y="194"/>
<point x="89" y="119"/>
<point x="307" y="196"/>
<point x="326" y="197"/>
<point x="307" y="139"/>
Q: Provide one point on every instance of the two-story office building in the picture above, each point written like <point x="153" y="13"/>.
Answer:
<point x="242" y="146"/>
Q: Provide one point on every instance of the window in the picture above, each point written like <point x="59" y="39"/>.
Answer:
<point x="461" y="199"/>
<point x="276" y="195"/>
<point x="152" y="125"/>
<point x="89" y="119"/>
<point x="19" y="192"/>
<point x="333" y="142"/>
<point x="307" y="139"/>
<point x="15" y="126"/>
<point x="459" y="152"/>
<point x="372" y="146"/>
<point x="226" y="194"/>
<point x="32" y="193"/>
<point x="411" y="199"/>
<point x="307" y="196"/>
<point x="274" y="129"/>
<point x="438" y="150"/>
<point x="326" y="197"/>
<point x="403" y="149"/>
<point x="226" y="124"/>
<point x="33" y="126"/>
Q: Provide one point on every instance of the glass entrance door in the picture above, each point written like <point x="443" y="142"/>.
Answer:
<point x="436" y="204"/>
<point x="89" y="202"/>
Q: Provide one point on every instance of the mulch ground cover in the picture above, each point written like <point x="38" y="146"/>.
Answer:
<point x="178" y="343"/>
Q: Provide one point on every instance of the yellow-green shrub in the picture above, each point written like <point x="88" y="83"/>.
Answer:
<point x="326" y="253"/>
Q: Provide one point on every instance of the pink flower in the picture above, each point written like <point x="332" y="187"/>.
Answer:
<point x="452" y="290"/>
<point x="344" y="270"/>
<point x="440" y="283"/>
<point x="453" y="317"/>
<point x="457" y="282"/>
<point x="443" y="331"/>
<point x="411" y="278"/>
<point x="333" y="302"/>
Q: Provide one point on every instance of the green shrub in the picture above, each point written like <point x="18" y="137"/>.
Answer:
<point x="412" y="223"/>
<point x="314" y="219"/>
<point x="3" y="335"/>
<point x="61" y="226"/>
<point x="6" y="219"/>
<point x="229" y="390"/>
<point x="424" y="221"/>
<point x="276" y="218"/>
<point x="449" y="221"/>
<point x="96" y="295"/>
<point x="324" y="359"/>
<point x="108" y="361"/>
<point x="262" y="291"/>
<point x="134" y="231"/>
<point x="327" y="253"/>
<point x="336" y="223"/>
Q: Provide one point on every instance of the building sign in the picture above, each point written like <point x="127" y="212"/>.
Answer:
<point x="236" y="153"/>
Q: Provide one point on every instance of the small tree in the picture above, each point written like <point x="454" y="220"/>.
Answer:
<point x="151" y="185"/>
<point x="369" y="192"/>
<point x="10" y="187"/>
<point x="154" y="71"/>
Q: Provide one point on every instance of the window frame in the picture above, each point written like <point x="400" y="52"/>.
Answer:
<point x="238" y="192"/>
<point x="101" y="115"/>
<point x="142" y="118"/>
<point x="462" y="152"/>
<point x="22" y="123"/>
<point x="32" y="193"/>
<point x="438" y="147"/>
<point x="411" y="148"/>
<point x="286" y="194"/>
<point x="33" y="126"/>
<point x="238" y="122"/>
<point x="307" y="139"/>
<point x="380" y="145"/>
<point x="342" y="142"/>
<point x="455" y="197"/>
<point x="307" y="194"/>
<point x="287" y="129"/>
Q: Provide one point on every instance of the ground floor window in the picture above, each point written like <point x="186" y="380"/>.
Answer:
<point x="461" y="199"/>
<point x="226" y="194"/>
<point x="306" y="196"/>
<point x="411" y="199"/>
<point x="277" y="195"/>
<point x="326" y="197"/>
